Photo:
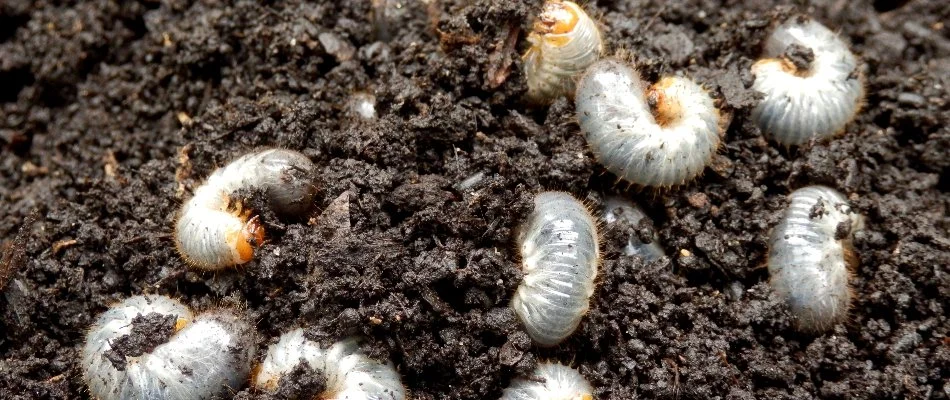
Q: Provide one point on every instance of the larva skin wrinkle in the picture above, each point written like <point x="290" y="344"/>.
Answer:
<point x="625" y="214"/>
<point x="350" y="375"/>
<point x="564" y="42"/>
<point x="211" y="235"/>
<point x="800" y="105"/>
<point x="808" y="266"/>
<point x="663" y="149"/>
<point x="559" y="257"/>
<point x="209" y="354"/>
<point x="550" y="381"/>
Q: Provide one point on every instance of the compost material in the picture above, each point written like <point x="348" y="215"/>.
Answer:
<point x="113" y="112"/>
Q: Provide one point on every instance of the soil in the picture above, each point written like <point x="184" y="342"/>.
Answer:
<point x="113" y="112"/>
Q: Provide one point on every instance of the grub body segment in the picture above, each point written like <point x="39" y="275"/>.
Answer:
<point x="213" y="231"/>
<point x="564" y="42"/>
<point x="207" y="355"/>
<point x="349" y="373"/>
<point x="809" y="81"/>
<point x="560" y="258"/>
<point x="660" y="135"/>
<point x="550" y="381"/>
<point x="810" y="256"/>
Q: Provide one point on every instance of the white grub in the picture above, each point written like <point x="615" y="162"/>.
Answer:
<point x="810" y="254"/>
<point x="207" y="356"/>
<point x="550" y="381"/>
<point x="623" y="214"/>
<point x="564" y="42"/>
<point x="349" y="373"/>
<point x="809" y="81"/>
<point x="663" y="135"/>
<point x="559" y="257"/>
<point x="214" y="232"/>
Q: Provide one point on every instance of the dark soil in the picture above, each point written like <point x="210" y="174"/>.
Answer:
<point x="148" y="332"/>
<point x="113" y="112"/>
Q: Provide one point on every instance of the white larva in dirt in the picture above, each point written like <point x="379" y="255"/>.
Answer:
<point x="626" y="215"/>
<point x="809" y="81"/>
<point x="214" y="232"/>
<point x="663" y="135"/>
<point x="564" y="42"/>
<point x="559" y="256"/>
<point x="810" y="254"/>
<point x="550" y="381"/>
<point x="202" y="357"/>
<point x="349" y="374"/>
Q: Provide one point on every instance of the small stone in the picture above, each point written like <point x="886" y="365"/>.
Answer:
<point x="335" y="46"/>
<point x="698" y="200"/>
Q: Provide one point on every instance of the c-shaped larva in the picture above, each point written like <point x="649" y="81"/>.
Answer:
<point x="810" y="253"/>
<point x="550" y="381"/>
<point x="349" y="373"/>
<point x="564" y="42"/>
<point x="627" y="215"/>
<point x="559" y="256"/>
<point x="657" y="136"/>
<point x="214" y="232"/>
<point x="191" y="358"/>
<point x="810" y="83"/>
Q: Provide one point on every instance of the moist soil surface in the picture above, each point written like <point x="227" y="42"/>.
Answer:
<point x="113" y="112"/>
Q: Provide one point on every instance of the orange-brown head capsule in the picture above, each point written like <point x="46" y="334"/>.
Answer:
<point x="558" y="17"/>
<point x="245" y="240"/>
<point x="211" y="234"/>
<point x="564" y="41"/>
<point x="659" y="135"/>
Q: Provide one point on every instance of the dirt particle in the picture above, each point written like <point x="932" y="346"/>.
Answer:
<point x="148" y="331"/>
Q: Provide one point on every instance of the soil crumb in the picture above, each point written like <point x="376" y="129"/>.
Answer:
<point x="112" y="113"/>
